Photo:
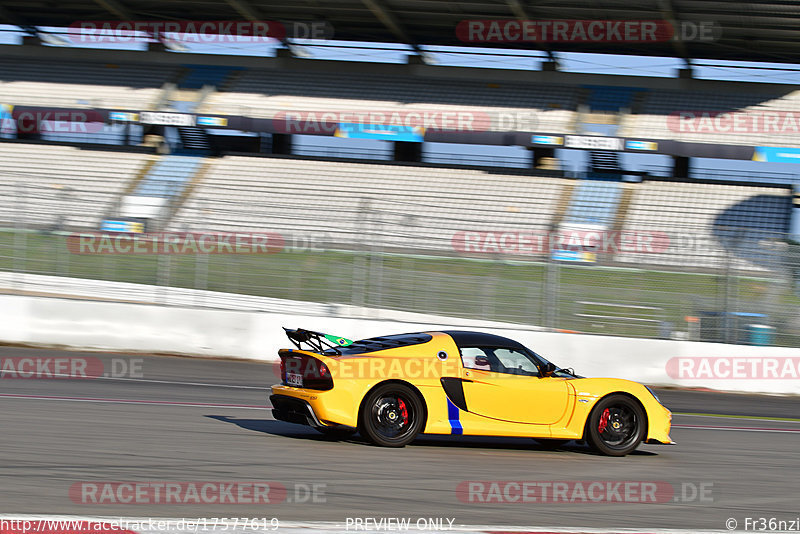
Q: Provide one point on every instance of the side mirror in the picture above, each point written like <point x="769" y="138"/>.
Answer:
<point x="548" y="370"/>
<point x="481" y="360"/>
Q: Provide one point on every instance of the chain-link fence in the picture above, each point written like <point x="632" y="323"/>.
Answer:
<point x="722" y="284"/>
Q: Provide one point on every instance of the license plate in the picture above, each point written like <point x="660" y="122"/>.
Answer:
<point x="294" y="379"/>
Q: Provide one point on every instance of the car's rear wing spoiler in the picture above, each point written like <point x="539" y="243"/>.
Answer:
<point x="317" y="341"/>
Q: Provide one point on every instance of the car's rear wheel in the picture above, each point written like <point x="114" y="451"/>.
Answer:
<point x="391" y="416"/>
<point x="616" y="425"/>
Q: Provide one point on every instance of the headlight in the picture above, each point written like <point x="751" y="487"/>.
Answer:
<point x="653" y="393"/>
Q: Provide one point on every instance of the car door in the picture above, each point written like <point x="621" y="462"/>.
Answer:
<point x="504" y="383"/>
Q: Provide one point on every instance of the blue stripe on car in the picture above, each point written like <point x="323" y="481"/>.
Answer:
<point x="453" y="415"/>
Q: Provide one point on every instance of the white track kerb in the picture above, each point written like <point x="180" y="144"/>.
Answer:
<point x="49" y="524"/>
<point x="256" y="335"/>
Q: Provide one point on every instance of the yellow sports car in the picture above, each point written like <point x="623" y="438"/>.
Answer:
<point x="392" y="388"/>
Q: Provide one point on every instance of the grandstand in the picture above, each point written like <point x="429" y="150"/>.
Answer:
<point x="259" y="93"/>
<point x="655" y="116"/>
<point x="415" y="212"/>
<point x="594" y="202"/>
<point x="713" y="223"/>
<point x="414" y="207"/>
<point x="81" y="84"/>
<point x="411" y="209"/>
<point x="407" y="191"/>
<point x="558" y="102"/>
<point x="188" y="176"/>
<point x="63" y="187"/>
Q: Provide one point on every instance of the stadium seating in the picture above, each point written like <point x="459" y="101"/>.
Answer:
<point x="169" y="176"/>
<point x="261" y="93"/>
<point x="610" y="98"/>
<point x="652" y="120"/>
<point x="403" y="206"/>
<point x="594" y="202"/>
<point x="702" y="220"/>
<point x="82" y="84"/>
<point x="41" y="184"/>
<point x="421" y="207"/>
<point x="415" y="206"/>
<point x="202" y="75"/>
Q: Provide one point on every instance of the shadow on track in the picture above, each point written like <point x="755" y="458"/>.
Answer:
<point x="277" y="428"/>
<point x="290" y="430"/>
<point x="520" y="444"/>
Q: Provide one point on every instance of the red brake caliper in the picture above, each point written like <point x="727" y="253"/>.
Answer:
<point x="403" y="410"/>
<point x="603" y="421"/>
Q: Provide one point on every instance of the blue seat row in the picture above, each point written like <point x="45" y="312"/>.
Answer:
<point x="594" y="202"/>
<point x="169" y="176"/>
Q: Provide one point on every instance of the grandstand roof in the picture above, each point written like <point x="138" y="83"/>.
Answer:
<point x="765" y="30"/>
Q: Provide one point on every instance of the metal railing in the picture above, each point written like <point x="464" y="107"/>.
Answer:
<point x="385" y="255"/>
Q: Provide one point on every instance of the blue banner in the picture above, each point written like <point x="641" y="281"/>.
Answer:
<point x="776" y="154"/>
<point x="212" y="121"/>
<point x="131" y="227"/>
<point x="383" y="132"/>
<point x="574" y="255"/>
<point x="547" y="140"/>
<point x="6" y="119"/>
<point x="641" y="145"/>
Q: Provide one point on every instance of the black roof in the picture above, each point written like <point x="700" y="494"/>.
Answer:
<point x="760" y="30"/>
<point x="462" y="338"/>
<point x="466" y="338"/>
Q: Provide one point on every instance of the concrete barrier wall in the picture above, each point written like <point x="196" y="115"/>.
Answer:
<point x="123" y="327"/>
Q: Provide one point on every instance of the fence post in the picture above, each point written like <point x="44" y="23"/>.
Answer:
<point x="485" y="294"/>
<point x="201" y="260"/>
<point x="376" y="261"/>
<point x="62" y="255"/>
<point x="200" y="276"/>
<point x="163" y="275"/>
<point x="728" y="297"/>
<point x="360" y="260"/>
<point x="20" y="234"/>
<point x="550" y="289"/>
<point x="60" y="231"/>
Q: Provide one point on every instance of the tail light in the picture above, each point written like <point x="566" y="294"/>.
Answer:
<point x="305" y="372"/>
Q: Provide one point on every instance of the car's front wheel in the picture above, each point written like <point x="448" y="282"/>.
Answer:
<point x="391" y="416"/>
<point x="616" y="425"/>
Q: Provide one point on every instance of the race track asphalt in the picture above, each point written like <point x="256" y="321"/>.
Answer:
<point x="187" y="419"/>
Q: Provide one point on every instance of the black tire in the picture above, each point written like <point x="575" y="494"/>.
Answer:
<point x="336" y="433"/>
<point x="616" y="425"/>
<point x="551" y="444"/>
<point x="391" y="415"/>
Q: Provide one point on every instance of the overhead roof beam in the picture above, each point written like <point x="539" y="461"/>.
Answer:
<point x="245" y="10"/>
<point x="15" y="20"/>
<point x="117" y="9"/>
<point x="521" y="12"/>
<point x="389" y="20"/>
<point x="11" y="18"/>
<point x="670" y="15"/>
<point x="249" y="12"/>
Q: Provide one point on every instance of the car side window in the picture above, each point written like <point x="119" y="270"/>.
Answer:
<point x="515" y="362"/>
<point x="475" y="358"/>
<point x="498" y="360"/>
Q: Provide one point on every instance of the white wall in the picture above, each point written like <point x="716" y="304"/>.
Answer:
<point x="94" y="325"/>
